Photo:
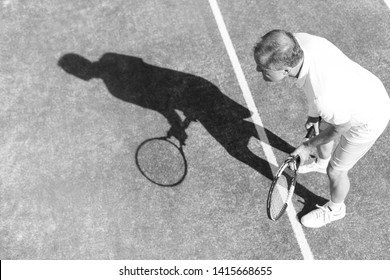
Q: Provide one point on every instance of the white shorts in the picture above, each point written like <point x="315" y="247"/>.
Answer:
<point x="352" y="148"/>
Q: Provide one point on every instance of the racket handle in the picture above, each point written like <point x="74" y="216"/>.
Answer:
<point x="295" y="161"/>
<point x="310" y="132"/>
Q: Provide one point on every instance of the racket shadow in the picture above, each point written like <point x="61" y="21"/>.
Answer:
<point x="163" y="90"/>
<point x="161" y="161"/>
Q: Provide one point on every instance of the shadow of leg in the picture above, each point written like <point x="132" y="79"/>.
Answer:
<point x="308" y="199"/>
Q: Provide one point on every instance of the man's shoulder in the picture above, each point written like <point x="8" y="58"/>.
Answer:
<point x="314" y="44"/>
<point x="308" y="38"/>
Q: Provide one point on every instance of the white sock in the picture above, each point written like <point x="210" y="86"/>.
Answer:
<point x="335" y="206"/>
<point x="322" y="162"/>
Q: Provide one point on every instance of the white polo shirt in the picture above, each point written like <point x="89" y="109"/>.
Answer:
<point x="340" y="90"/>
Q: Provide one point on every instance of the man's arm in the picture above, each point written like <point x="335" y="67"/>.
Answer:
<point x="329" y="134"/>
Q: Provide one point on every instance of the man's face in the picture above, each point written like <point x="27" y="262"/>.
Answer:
<point x="270" y="75"/>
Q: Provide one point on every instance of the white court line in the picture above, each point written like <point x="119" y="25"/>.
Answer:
<point x="296" y="226"/>
<point x="387" y="3"/>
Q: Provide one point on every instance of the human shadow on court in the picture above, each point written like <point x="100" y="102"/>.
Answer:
<point x="165" y="90"/>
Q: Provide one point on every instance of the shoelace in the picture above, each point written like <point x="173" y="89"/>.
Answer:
<point x="325" y="212"/>
<point x="312" y="165"/>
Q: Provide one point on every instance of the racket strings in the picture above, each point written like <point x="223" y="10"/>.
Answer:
<point x="281" y="193"/>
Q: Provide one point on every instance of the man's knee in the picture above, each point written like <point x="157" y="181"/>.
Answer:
<point x="335" y="173"/>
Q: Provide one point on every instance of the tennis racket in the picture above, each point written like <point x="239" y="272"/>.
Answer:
<point x="283" y="185"/>
<point x="282" y="188"/>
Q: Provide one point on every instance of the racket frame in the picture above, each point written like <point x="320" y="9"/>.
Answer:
<point x="294" y="160"/>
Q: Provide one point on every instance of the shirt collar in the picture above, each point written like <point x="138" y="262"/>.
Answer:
<point x="300" y="81"/>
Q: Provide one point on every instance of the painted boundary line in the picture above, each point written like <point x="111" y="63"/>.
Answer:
<point x="296" y="226"/>
<point x="387" y="2"/>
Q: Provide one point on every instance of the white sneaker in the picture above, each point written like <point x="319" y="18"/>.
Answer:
<point x="322" y="216"/>
<point x="312" y="167"/>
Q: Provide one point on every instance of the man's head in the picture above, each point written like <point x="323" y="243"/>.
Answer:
<point x="277" y="55"/>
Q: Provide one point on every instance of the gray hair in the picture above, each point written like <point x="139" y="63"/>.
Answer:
<point x="278" y="48"/>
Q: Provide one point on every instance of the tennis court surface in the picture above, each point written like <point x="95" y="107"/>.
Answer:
<point x="70" y="186"/>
